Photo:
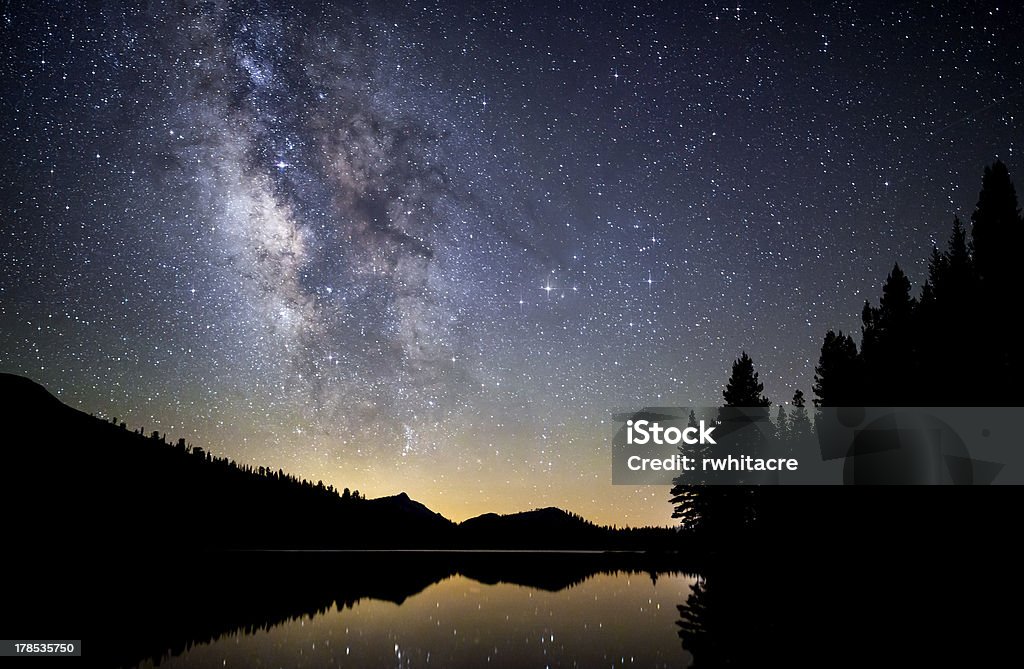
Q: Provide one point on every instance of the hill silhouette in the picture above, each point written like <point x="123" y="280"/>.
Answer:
<point x="126" y="488"/>
<point x="534" y="529"/>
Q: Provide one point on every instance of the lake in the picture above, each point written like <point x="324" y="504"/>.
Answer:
<point x="554" y="612"/>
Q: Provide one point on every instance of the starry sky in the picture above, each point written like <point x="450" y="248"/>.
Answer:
<point x="430" y="246"/>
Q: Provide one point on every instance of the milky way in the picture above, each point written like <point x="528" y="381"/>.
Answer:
<point x="326" y="204"/>
<point x="431" y="246"/>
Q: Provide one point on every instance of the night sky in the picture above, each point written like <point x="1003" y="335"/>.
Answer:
<point x="429" y="247"/>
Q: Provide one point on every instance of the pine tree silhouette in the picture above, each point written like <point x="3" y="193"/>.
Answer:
<point x="887" y="345"/>
<point x="683" y="496"/>
<point x="725" y="512"/>
<point x="799" y="422"/>
<point x="838" y="376"/>
<point x="959" y="266"/>
<point x="743" y="388"/>
<point x="996" y="239"/>
<point x="996" y="229"/>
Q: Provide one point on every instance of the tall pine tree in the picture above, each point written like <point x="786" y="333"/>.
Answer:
<point x="888" y="342"/>
<point x="996" y="228"/>
<point x="723" y="512"/>
<point x="838" y="377"/>
<point x="997" y="237"/>
<point x="743" y="388"/>
<point x="730" y="510"/>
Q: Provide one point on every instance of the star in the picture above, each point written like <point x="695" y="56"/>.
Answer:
<point x="650" y="281"/>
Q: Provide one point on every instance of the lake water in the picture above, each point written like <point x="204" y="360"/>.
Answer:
<point x="608" y="619"/>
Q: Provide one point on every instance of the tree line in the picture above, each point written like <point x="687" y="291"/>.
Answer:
<point x="948" y="345"/>
<point x="259" y="475"/>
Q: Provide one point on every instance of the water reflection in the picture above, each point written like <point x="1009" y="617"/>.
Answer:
<point x="728" y="619"/>
<point x="527" y="610"/>
<point x="611" y="619"/>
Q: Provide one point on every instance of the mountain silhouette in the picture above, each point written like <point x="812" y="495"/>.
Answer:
<point x="124" y="488"/>
<point x="402" y="505"/>
<point x="534" y="529"/>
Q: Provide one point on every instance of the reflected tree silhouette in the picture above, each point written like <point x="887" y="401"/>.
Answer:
<point x="724" y="621"/>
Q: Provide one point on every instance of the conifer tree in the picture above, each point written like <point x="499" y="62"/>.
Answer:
<point x="996" y="236"/>
<point x="723" y="511"/>
<point x="937" y="268"/>
<point x="799" y="422"/>
<point x="958" y="261"/>
<point x="996" y="227"/>
<point x="887" y="345"/>
<point x="837" y="376"/>
<point x="743" y="388"/>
